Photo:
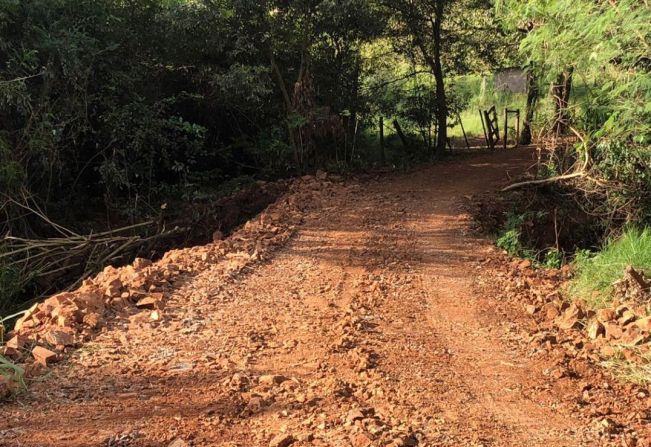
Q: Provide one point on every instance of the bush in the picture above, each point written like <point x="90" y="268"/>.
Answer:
<point x="596" y="274"/>
<point x="511" y="238"/>
<point x="553" y="258"/>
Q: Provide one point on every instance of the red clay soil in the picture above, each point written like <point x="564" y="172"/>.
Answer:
<point x="371" y="326"/>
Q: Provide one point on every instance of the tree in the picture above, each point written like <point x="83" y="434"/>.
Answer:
<point x="606" y="46"/>
<point x="450" y="37"/>
<point x="418" y="28"/>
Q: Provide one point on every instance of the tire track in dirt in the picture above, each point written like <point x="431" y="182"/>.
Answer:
<point x="365" y="330"/>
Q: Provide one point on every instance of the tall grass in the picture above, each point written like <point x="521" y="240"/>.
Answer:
<point x="482" y="94"/>
<point x="596" y="274"/>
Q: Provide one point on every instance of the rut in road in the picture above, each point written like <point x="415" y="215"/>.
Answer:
<point x="367" y="328"/>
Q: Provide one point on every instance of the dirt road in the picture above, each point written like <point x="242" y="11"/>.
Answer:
<point x="367" y="329"/>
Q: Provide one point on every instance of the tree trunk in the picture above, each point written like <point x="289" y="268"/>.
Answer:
<point x="288" y="106"/>
<point x="441" y="101"/>
<point x="383" y="157"/>
<point x="352" y="122"/>
<point x="561" y="92"/>
<point x="532" y="99"/>
<point x="400" y="133"/>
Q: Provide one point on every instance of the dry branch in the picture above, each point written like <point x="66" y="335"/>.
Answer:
<point x="544" y="181"/>
<point x="73" y="258"/>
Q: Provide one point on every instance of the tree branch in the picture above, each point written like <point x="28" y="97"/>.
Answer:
<point x="544" y="181"/>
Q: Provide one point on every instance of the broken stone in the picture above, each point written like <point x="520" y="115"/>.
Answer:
<point x="306" y="437"/>
<point x="178" y="442"/>
<point x="43" y="356"/>
<point x="272" y="379"/>
<point x="58" y="300"/>
<point x="524" y="264"/>
<point x="18" y="342"/>
<point x="89" y="301"/>
<point x="607" y="426"/>
<point x="282" y="440"/>
<point x="644" y="324"/>
<point x="148" y="302"/>
<point x="255" y="404"/>
<point x="354" y="415"/>
<point x="608" y="351"/>
<point x="596" y="329"/>
<point x="550" y="311"/>
<point x="59" y="338"/>
<point x="9" y="352"/>
<point x="141" y="263"/>
<point x="570" y="318"/>
<point x="238" y="382"/>
<point x="613" y="330"/>
<point x="531" y="309"/>
<point x="620" y="309"/>
<point x="91" y="320"/>
<point x="633" y="336"/>
<point x="114" y="288"/>
<point x="604" y="315"/>
<point x="627" y="317"/>
<point x="635" y="277"/>
<point x="361" y="440"/>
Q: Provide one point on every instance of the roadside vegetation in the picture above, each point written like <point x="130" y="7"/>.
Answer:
<point x="589" y="203"/>
<point x="590" y="65"/>
<point x="596" y="273"/>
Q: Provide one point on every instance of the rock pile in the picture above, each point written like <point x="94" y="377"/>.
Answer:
<point x="575" y="341"/>
<point x="62" y="322"/>
<point x="625" y="325"/>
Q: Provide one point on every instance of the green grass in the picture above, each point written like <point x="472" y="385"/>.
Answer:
<point x="471" y="123"/>
<point x="596" y="274"/>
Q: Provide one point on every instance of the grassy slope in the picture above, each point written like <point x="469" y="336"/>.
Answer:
<point x="596" y="274"/>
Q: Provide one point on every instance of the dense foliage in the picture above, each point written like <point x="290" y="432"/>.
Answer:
<point x="109" y="103"/>
<point x="121" y="105"/>
<point x="603" y="47"/>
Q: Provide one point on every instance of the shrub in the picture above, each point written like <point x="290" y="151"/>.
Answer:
<point x="511" y="238"/>
<point x="553" y="258"/>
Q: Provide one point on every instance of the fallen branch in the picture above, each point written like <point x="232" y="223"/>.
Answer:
<point x="544" y="181"/>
